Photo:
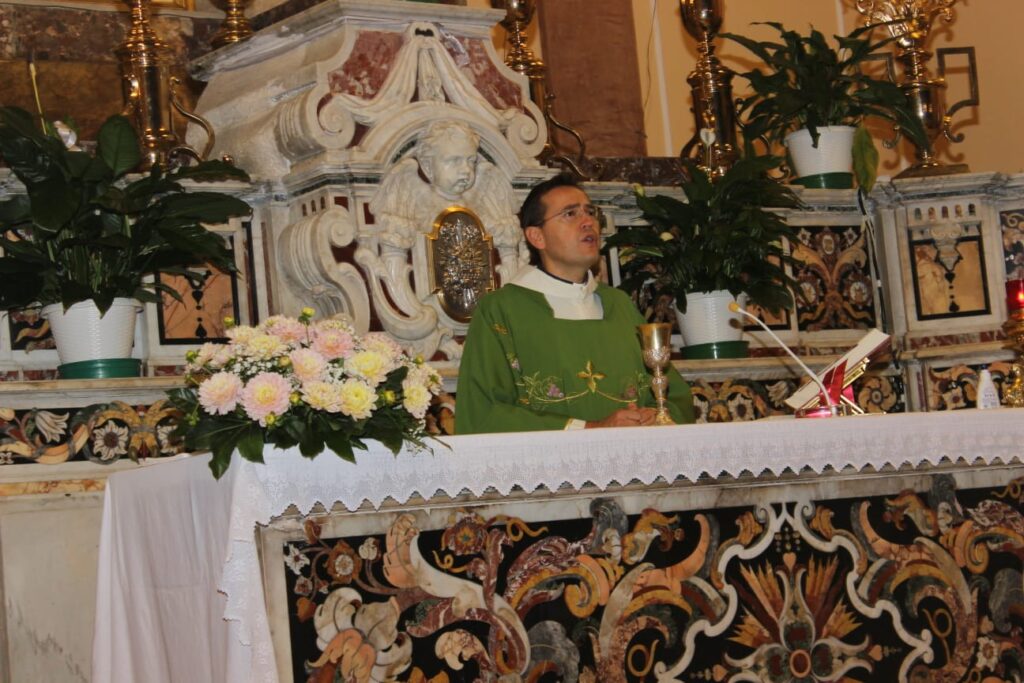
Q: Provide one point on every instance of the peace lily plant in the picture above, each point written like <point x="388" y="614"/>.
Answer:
<point x="87" y="235"/>
<point x="807" y="84"/>
<point x="725" y="237"/>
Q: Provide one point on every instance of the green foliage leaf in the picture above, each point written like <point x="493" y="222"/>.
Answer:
<point x="208" y="171"/>
<point x="118" y="146"/>
<point x="250" y="443"/>
<point x="219" y="463"/>
<point x="340" y="443"/>
<point x="865" y="159"/>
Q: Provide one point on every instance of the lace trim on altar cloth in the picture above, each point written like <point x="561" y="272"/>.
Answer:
<point x="598" y="457"/>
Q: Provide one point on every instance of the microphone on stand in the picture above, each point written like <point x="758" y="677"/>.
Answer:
<point x="832" y="407"/>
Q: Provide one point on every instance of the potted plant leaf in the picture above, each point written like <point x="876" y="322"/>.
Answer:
<point x="723" y="243"/>
<point x="86" y="235"/>
<point x="814" y="98"/>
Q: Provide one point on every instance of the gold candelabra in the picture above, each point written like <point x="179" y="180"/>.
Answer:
<point x="520" y="58"/>
<point x="150" y="92"/>
<point x="713" y="145"/>
<point x="910" y="23"/>
<point x="657" y="354"/>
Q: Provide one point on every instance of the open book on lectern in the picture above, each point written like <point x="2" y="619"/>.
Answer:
<point x="853" y="363"/>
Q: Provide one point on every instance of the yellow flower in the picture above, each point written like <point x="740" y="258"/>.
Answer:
<point x="264" y="346"/>
<point x="357" y="399"/>
<point x="308" y="312"/>
<point x="416" y="399"/>
<point x="229" y="322"/>
<point x="321" y="395"/>
<point x="368" y="365"/>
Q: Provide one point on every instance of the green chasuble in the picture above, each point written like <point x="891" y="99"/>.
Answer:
<point x="523" y="369"/>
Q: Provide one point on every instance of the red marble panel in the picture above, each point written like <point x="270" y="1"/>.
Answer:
<point x="34" y="375"/>
<point x="471" y="56"/>
<point x="938" y="341"/>
<point x="366" y="69"/>
<point x="167" y="370"/>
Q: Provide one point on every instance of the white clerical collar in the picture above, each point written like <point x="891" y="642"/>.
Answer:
<point x="568" y="300"/>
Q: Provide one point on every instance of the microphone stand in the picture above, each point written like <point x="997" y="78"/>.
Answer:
<point x="833" y="409"/>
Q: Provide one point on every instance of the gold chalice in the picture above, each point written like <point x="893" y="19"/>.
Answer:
<point x="657" y="354"/>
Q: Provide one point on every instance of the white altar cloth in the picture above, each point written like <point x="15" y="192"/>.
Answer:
<point x="180" y="592"/>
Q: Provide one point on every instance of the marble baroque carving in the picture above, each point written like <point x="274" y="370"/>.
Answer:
<point x="368" y="131"/>
<point x="405" y="207"/>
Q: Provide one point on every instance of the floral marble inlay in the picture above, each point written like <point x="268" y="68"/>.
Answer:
<point x="29" y="331"/>
<point x="101" y="433"/>
<point x="917" y="586"/>
<point x="739" y="400"/>
<point x="956" y="387"/>
<point x="1013" y="242"/>
<point x="834" y="279"/>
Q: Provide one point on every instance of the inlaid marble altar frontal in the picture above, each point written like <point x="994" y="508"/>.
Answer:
<point x="916" y="585"/>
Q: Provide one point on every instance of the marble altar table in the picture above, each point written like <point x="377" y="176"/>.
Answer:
<point x="191" y="567"/>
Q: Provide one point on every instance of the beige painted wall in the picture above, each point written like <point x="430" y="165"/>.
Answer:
<point x="667" y="55"/>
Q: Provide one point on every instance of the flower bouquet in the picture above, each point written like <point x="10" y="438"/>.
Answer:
<point x="294" y="382"/>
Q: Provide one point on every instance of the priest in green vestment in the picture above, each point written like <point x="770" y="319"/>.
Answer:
<point x="554" y="348"/>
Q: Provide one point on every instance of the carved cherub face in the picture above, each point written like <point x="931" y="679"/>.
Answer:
<point x="449" y="158"/>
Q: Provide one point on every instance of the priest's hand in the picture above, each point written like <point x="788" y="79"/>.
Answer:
<point x="630" y="416"/>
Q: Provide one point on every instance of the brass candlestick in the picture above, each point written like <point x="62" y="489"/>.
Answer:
<point x="1013" y="386"/>
<point x="910" y="22"/>
<point x="236" y="26"/>
<point x="150" y="92"/>
<point x="711" y="89"/>
<point x="520" y="58"/>
<point x="657" y="354"/>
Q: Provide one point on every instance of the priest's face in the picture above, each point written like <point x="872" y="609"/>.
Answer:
<point x="568" y="238"/>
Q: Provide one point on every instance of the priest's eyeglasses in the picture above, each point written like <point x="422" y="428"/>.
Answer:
<point x="570" y="213"/>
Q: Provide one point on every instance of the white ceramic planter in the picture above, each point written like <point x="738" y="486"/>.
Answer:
<point x="708" y="319"/>
<point x="81" y="334"/>
<point x="834" y="153"/>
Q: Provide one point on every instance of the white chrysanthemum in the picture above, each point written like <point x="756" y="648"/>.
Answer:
<point x="307" y="364"/>
<point x="205" y="354"/>
<point x="222" y="357"/>
<point x="322" y="396"/>
<point x="338" y="324"/>
<point x="416" y="398"/>
<point x="357" y="399"/>
<point x="242" y="333"/>
<point x="425" y="375"/>
<point x="289" y="330"/>
<point x="263" y="347"/>
<point x="220" y="393"/>
<point x="382" y="344"/>
<point x="369" y="365"/>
